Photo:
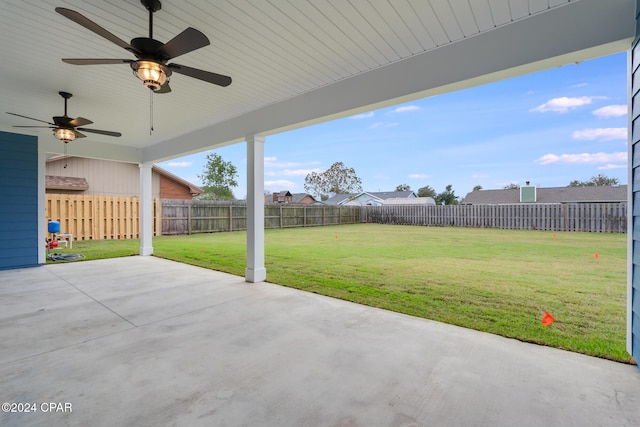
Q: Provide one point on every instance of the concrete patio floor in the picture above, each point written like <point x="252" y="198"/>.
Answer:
<point x="143" y="341"/>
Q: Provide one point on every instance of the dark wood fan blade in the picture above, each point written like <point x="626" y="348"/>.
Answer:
<point x="185" y="42"/>
<point x="207" y="76"/>
<point x="101" y="132"/>
<point x="95" y="61"/>
<point x="164" y="89"/>
<point x="92" y="26"/>
<point x="80" y="121"/>
<point x="44" y="127"/>
<point x="62" y="120"/>
<point x="79" y="135"/>
<point x="31" y="118"/>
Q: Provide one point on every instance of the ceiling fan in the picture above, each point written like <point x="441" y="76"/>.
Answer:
<point x="152" y="56"/>
<point x="66" y="128"/>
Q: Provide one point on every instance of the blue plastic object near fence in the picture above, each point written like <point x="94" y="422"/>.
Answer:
<point x="54" y="227"/>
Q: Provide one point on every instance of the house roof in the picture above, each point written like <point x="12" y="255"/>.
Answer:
<point x="65" y="183"/>
<point x="340" y="199"/>
<point x="297" y="197"/>
<point x="392" y="194"/>
<point x="550" y="195"/>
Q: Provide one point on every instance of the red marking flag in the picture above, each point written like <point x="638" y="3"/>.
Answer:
<point x="596" y="255"/>
<point x="547" y="319"/>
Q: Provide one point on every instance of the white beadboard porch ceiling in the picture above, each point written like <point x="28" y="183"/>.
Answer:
<point x="293" y="62"/>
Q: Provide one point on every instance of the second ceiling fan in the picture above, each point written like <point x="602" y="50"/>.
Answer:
<point x="152" y="57"/>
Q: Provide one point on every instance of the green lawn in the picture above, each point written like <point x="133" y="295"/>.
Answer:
<point x="498" y="281"/>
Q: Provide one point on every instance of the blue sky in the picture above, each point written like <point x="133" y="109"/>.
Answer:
<point x="549" y="128"/>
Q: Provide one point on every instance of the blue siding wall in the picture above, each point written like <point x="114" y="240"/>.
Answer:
<point x="19" y="195"/>
<point x="635" y="188"/>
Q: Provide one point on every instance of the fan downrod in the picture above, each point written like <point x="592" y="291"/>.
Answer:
<point x="65" y="95"/>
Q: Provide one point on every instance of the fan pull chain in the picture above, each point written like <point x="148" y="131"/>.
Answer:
<point x="150" y="112"/>
<point x="65" y="155"/>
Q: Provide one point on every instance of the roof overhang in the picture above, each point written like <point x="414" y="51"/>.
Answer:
<point x="371" y="55"/>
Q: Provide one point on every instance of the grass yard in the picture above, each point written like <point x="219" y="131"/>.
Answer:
<point x="498" y="281"/>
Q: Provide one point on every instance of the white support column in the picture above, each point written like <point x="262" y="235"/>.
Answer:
<point x="146" y="209"/>
<point x="255" y="271"/>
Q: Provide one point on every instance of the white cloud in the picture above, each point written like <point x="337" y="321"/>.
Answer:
<point x="583" y="158"/>
<point x="611" y="166"/>
<point x="618" y="110"/>
<point x="419" y="176"/>
<point x="363" y="115"/>
<point x="405" y="108"/>
<point x="579" y="85"/>
<point x="601" y="134"/>
<point x="383" y="125"/>
<point x="272" y="162"/>
<point x="178" y="164"/>
<point x="480" y="176"/>
<point x="279" y="185"/>
<point x="299" y="172"/>
<point x="563" y="104"/>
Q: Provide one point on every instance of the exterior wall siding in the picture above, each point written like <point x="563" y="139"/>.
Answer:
<point x="19" y="177"/>
<point x="105" y="178"/>
<point x="633" y="324"/>
<point x="170" y="189"/>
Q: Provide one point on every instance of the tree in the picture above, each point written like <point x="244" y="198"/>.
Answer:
<point x="447" y="197"/>
<point x="338" y="179"/>
<point x="403" y="187"/>
<point x="218" y="178"/>
<point x="512" y="186"/>
<point x="597" y="180"/>
<point x="477" y="188"/>
<point x="427" y="191"/>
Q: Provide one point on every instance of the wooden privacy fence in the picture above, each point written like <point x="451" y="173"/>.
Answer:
<point x="206" y="216"/>
<point x="589" y="217"/>
<point x="98" y="217"/>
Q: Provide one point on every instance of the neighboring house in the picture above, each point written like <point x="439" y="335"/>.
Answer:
<point x="282" y="197"/>
<point x="303" y="198"/>
<point x="79" y="175"/>
<point x="413" y="201"/>
<point x="369" y="198"/>
<point x="532" y="194"/>
<point x="293" y="198"/>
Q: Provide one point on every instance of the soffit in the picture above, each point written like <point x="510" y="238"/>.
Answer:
<point x="275" y="51"/>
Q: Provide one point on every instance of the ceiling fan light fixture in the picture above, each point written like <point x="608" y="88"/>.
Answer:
<point x="153" y="74"/>
<point x="64" y="135"/>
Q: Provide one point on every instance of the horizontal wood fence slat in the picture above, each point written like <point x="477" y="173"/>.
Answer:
<point x="206" y="216"/>
<point x="587" y="217"/>
<point x="99" y="217"/>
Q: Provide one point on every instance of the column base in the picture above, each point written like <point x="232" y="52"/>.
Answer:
<point x="146" y="250"/>
<point x="254" y="276"/>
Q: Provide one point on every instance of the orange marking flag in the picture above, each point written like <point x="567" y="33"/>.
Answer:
<point x="547" y="319"/>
